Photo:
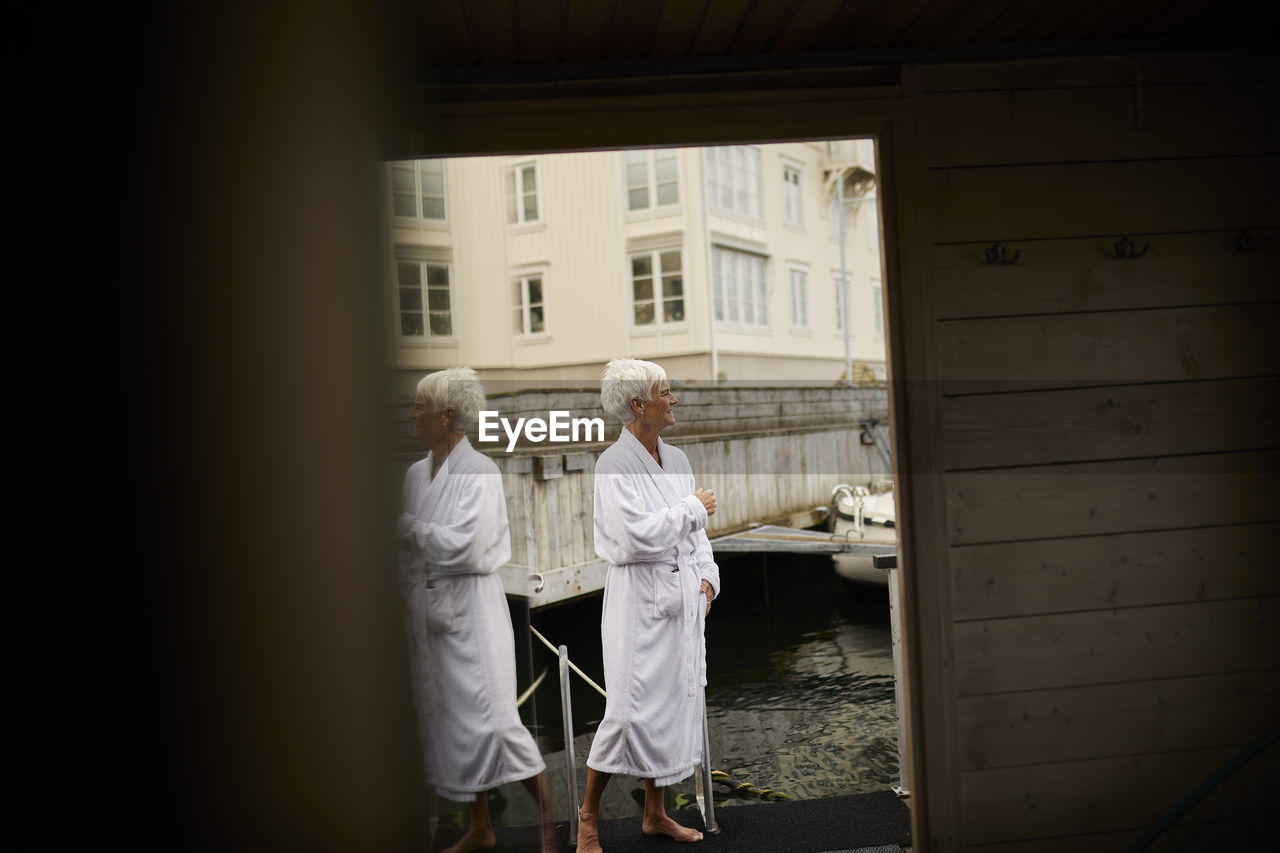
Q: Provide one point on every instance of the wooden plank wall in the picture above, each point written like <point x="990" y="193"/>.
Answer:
<point x="1109" y="433"/>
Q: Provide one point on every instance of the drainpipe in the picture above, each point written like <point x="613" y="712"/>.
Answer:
<point x="844" y="289"/>
<point x="706" y="248"/>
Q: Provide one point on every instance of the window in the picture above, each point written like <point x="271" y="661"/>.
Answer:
<point x="657" y="287"/>
<point x="737" y="281"/>
<point x="794" y="209"/>
<point x="877" y="307"/>
<point x="799" y="281"/>
<point x="529" y="316"/>
<point x="417" y="189"/>
<point x="424" y="293"/>
<point x="652" y="179"/>
<point x="733" y="179"/>
<point x="522" y="193"/>
<point x="840" y="289"/>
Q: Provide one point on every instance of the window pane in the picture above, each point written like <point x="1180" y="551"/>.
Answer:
<point x="432" y="208"/>
<point x="410" y="299"/>
<point x="641" y="265"/>
<point x="408" y="274"/>
<point x="529" y="179"/>
<point x="530" y="208"/>
<point x="637" y="175"/>
<point x="668" y="193"/>
<point x="638" y="199"/>
<point x="402" y="180"/>
<point x="665" y="169"/>
<point x="642" y="288"/>
<point x="433" y="184"/>
<point x="411" y="325"/>
<point x="535" y="291"/>
<point x="441" y="324"/>
<point x="644" y="314"/>
<point x="437" y="275"/>
<point x="438" y="299"/>
<point x="404" y="206"/>
<point x="518" y="325"/>
<point x="672" y="286"/>
<point x="637" y="156"/>
<point x="670" y="262"/>
<point x="431" y="167"/>
<point x="535" y="319"/>
<point x="673" y="310"/>
<point x="517" y="288"/>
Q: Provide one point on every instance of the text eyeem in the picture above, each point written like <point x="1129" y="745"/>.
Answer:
<point x="559" y="427"/>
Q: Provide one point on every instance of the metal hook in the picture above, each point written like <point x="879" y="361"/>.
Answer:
<point x="996" y="255"/>
<point x="1124" y="249"/>
<point x="1246" y="242"/>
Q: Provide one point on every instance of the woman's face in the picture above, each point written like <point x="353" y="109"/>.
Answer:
<point x="658" y="412"/>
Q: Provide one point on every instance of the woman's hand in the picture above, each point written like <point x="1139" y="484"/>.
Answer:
<point x="708" y="499"/>
<point x="709" y="593"/>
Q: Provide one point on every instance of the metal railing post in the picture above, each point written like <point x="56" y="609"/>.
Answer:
<point x="895" y="638"/>
<point x="702" y="777"/>
<point x="571" y="764"/>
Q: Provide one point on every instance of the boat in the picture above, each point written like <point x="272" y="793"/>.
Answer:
<point x="860" y="515"/>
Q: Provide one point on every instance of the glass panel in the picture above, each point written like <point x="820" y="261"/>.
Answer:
<point x="431" y="167"/>
<point x="641" y="265"/>
<point x="437" y="275"/>
<point x="642" y="288"/>
<point x="673" y="310"/>
<point x="404" y="206"/>
<point x="638" y="199"/>
<point x="409" y="273"/>
<point x="432" y="208"/>
<point x="438" y="298"/>
<point x="535" y="291"/>
<point x="672" y="286"/>
<point x="644" y="314"/>
<point x="510" y="180"/>
<point x="637" y="156"/>
<point x="637" y="175"/>
<point x="410" y="299"/>
<point x="402" y="180"/>
<point x="535" y="319"/>
<point x="528" y="179"/>
<point x="411" y="324"/>
<point x="441" y="324"/>
<point x="670" y="262"/>
<point x="433" y="184"/>
<point x="530" y="208"/>
<point x="517" y="288"/>
<point x="665" y="168"/>
<point x="518" y="325"/>
<point x="668" y="193"/>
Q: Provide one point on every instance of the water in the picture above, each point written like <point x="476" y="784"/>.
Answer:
<point x="800" y="693"/>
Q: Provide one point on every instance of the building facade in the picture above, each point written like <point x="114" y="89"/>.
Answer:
<point x="719" y="263"/>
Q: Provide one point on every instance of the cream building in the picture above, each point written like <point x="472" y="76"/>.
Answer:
<point x="716" y="262"/>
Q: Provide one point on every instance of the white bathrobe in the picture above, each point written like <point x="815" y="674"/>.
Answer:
<point x="651" y="530"/>
<point x="454" y="538"/>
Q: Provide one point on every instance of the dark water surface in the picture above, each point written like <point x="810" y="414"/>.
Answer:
<point x="800" y="693"/>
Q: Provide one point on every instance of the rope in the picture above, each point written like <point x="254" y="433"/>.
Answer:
<point x="572" y="665"/>
<point x="532" y="687"/>
<point x="747" y="788"/>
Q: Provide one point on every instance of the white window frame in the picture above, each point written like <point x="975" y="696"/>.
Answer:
<point x="418" y="192"/>
<point x="513" y="206"/>
<point x="792" y="195"/>
<point x="650" y="156"/>
<point x="520" y="282"/>
<point x="738" y="297"/>
<point x="658" y="299"/>
<point x="737" y="170"/>
<point x="797" y="273"/>
<point x="425" y="289"/>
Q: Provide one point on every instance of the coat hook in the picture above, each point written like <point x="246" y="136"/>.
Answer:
<point x="1246" y="242"/>
<point x="995" y="255"/>
<point x="1125" y="249"/>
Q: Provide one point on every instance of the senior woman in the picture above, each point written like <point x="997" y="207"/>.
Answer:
<point x="650" y="521"/>
<point x="454" y="538"/>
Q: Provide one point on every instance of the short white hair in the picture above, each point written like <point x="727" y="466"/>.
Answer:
<point x="625" y="379"/>
<point x="456" y="388"/>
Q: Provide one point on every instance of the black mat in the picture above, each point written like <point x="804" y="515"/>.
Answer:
<point x="803" y="826"/>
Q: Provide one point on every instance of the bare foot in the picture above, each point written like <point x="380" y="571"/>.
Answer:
<point x="664" y="825"/>
<point x="588" y="833"/>
<point x="475" y="839"/>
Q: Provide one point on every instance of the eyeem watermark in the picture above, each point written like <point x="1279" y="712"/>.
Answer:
<point x="559" y="428"/>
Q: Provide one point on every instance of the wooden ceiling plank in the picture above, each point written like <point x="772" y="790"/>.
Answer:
<point x="542" y="24"/>
<point x="854" y="17"/>
<point x="1125" y="22"/>
<point x="493" y="24"/>
<point x="939" y="19"/>
<point x="896" y="18"/>
<point x="719" y="27"/>
<point x="586" y="30"/>
<point x="1012" y="20"/>
<point x="1052" y="19"/>
<point x="445" y="31"/>
<point x="761" y="27"/>
<point x="678" y="27"/>
<point x="811" y="19"/>
<point x="634" y="24"/>
<point x="975" y="19"/>
<point x="1088" y="22"/>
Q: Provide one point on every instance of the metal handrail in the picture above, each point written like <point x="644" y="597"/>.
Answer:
<point x="702" y="774"/>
